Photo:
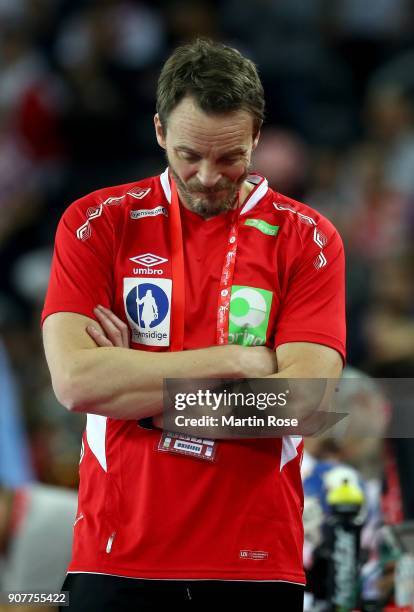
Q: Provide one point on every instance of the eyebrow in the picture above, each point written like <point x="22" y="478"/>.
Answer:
<point x="236" y="151"/>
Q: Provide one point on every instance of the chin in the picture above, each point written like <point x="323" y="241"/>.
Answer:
<point x="208" y="208"/>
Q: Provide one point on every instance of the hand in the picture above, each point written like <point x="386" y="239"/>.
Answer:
<point x="258" y="361"/>
<point x="116" y="332"/>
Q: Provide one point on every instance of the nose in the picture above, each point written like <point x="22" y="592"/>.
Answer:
<point x="208" y="174"/>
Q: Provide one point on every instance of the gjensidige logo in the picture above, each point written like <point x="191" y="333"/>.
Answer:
<point x="145" y="213"/>
<point x="147" y="305"/>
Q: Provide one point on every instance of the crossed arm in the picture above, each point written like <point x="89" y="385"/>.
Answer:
<point x="93" y="369"/>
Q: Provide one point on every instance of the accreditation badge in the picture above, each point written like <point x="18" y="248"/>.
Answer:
<point x="181" y="444"/>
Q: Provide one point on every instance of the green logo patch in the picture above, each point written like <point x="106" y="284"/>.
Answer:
<point x="263" y="226"/>
<point x="249" y="315"/>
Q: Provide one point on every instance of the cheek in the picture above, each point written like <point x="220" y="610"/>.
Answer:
<point x="234" y="173"/>
<point x="188" y="172"/>
<point x="184" y="170"/>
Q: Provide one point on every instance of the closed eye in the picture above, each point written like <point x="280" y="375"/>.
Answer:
<point x="191" y="157"/>
<point x="230" y="160"/>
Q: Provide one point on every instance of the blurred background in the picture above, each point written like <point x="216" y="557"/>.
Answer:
<point x="77" y="98"/>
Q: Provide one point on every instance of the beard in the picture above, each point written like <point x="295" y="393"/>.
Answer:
<point x="209" y="201"/>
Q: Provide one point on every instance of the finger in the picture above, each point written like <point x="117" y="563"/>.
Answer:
<point x="111" y="330"/>
<point x="99" y="338"/>
<point x="117" y="322"/>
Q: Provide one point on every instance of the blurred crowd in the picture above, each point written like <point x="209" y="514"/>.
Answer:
<point x="77" y="98"/>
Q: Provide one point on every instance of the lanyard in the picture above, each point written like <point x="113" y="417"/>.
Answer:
<point x="178" y="290"/>
<point x="226" y="281"/>
<point x="177" y="265"/>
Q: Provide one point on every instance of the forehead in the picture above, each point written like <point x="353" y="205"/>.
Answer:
<point x="189" y="126"/>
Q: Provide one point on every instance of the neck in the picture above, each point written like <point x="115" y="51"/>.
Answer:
<point x="245" y="191"/>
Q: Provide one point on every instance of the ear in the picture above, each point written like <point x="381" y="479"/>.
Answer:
<point x="256" y="141"/>
<point x="159" y="132"/>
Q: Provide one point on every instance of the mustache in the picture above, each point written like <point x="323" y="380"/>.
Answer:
<point x="201" y="189"/>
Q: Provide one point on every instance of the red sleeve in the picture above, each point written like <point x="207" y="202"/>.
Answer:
<point x="82" y="266"/>
<point x="313" y="308"/>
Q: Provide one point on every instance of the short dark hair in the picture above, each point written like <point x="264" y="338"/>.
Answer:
<point x="218" y="77"/>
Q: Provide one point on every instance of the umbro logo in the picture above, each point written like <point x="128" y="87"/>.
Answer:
<point x="149" y="260"/>
<point x="138" y="193"/>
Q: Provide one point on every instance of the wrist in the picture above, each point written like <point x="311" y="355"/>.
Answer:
<point x="236" y="361"/>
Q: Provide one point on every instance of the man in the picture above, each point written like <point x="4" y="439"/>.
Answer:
<point x="248" y="283"/>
